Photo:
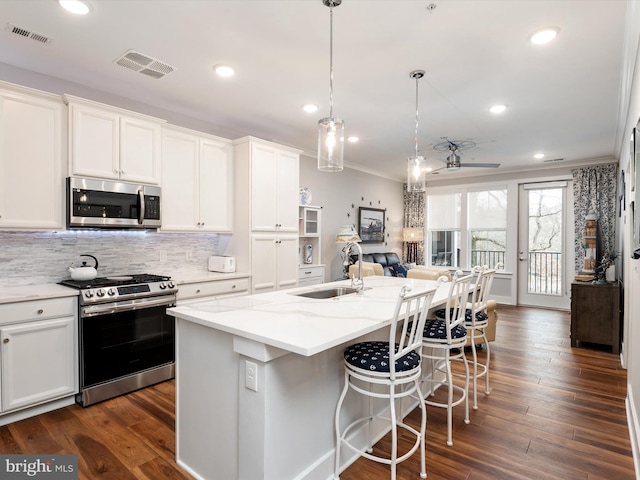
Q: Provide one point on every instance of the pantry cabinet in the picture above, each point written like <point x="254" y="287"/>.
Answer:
<point x="111" y="143"/>
<point x="197" y="182"/>
<point x="39" y="353"/>
<point x="266" y="186"/>
<point x="274" y="178"/>
<point x="32" y="149"/>
<point x="274" y="266"/>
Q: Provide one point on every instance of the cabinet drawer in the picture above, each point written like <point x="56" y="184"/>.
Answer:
<point x="308" y="271"/>
<point x="209" y="289"/>
<point x="37" y="310"/>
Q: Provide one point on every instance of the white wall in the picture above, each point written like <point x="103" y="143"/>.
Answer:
<point x="631" y="346"/>
<point x="336" y="193"/>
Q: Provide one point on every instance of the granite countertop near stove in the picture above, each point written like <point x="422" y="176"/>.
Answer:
<point x="26" y="293"/>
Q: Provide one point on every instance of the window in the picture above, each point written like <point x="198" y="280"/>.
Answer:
<point x="443" y="224"/>
<point x="467" y="228"/>
<point x="487" y="213"/>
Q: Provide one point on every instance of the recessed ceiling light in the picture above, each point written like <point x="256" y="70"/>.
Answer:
<point x="77" y="7"/>
<point x="427" y="169"/>
<point x="310" y="108"/>
<point x="224" y="70"/>
<point x="353" y="139"/>
<point x="544" y="35"/>
<point x="539" y="156"/>
<point x="498" y="108"/>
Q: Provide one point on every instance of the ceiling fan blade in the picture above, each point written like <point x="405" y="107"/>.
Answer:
<point x="482" y="165"/>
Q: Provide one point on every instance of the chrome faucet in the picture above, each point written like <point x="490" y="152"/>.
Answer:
<point x="356" y="283"/>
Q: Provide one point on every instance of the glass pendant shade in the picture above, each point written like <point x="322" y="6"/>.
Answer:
<point x="416" y="174"/>
<point x="330" y="144"/>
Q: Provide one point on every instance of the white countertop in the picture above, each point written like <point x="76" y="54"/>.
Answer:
<point x="35" y="292"/>
<point x="303" y="325"/>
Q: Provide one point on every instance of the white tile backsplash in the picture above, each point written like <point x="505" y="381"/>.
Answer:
<point x="29" y="258"/>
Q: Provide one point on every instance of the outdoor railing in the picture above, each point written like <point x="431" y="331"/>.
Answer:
<point x="487" y="257"/>
<point x="545" y="273"/>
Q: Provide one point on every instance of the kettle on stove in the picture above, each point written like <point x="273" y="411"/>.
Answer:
<point x="84" y="272"/>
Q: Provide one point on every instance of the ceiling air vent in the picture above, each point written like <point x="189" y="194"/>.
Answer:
<point x="551" y="160"/>
<point x="23" y="32"/>
<point x="144" y="64"/>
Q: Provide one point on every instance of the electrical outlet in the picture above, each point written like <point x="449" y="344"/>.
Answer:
<point x="189" y="255"/>
<point x="162" y="256"/>
<point x="251" y="376"/>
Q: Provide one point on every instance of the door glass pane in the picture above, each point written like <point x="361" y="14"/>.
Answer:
<point x="545" y="241"/>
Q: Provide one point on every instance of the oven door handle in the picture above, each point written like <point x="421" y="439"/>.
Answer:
<point x="126" y="305"/>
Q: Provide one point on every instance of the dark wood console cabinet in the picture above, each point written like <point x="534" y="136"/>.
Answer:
<point x="595" y="314"/>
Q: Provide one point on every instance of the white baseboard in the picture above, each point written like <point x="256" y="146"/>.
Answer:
<point x="634" y="429"/>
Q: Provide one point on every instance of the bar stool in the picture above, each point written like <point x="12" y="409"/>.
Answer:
<point x="394" y="365"/>
<point x="477" y="323"/>
<point x="444" y="340"/>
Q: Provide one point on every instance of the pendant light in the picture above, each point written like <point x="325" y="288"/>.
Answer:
<point x="416" y="181"/>
<point x="330" y="129"/>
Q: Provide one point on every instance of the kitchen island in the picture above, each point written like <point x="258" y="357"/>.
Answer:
<point x="258" y="378"/>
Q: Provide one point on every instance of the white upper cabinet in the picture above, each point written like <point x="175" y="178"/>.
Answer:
<point x="111" y="143"/>
<point x="32" y="147"/>
<point x="274" y="183"/>
<point x="197" y="182"/>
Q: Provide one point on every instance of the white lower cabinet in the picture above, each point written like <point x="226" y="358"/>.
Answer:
<point x="273" y="262"/>
<point x="310" y="275"/>
<point x="211" y="289"/>
<point x="39" y="354"/>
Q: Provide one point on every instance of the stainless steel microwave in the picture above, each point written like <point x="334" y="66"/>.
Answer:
<point x="98" y="203"/>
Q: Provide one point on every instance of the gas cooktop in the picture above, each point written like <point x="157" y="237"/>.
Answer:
<point x="114" y="281"/>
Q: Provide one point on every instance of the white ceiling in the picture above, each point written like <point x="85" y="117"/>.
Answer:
<point x="563" y="97"/>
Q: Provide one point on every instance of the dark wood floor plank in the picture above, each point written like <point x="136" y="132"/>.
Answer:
<point x="554" y="413"/>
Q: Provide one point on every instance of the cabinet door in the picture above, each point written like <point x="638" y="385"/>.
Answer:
<point x="179" y="209"/>
<point x="286" y="261"/>
<point x="288" y="191"/>
<point x="263" y="188"/>
<point x="31" y="176"/>
<point x="263" y="263"/>
<point x="215" y="186"/>
<point x="139" y="150"/>
<point x="38" y="362"/>
<point x="95" y="142"/>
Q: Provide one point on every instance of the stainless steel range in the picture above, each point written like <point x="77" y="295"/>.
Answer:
<point x="126" y="337"/>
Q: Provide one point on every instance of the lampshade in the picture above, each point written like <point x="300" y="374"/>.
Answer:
<point x="412" y="234"/>
<point x="347" y="234"/>
<point x="330" y="129"/>
<point x="416" y="165"/>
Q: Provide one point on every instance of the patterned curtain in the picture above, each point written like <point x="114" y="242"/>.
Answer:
<point x="414" y="216"/>
<point x="595" y="189"/>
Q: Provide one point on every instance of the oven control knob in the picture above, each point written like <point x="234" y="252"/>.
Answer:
<point x="88" y="293"/>
<point x="171" y="284"/>
<point x="163" y="285"/>
<point x="111" y="292"/>
<point x="100" y="293"/>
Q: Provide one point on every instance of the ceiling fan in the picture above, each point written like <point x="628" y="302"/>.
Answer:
<point x="453" y="160"/>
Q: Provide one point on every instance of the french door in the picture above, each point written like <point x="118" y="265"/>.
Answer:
<point x="545" y="226"/>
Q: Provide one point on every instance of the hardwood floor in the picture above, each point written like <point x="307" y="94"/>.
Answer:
<point x="554" y="413"/>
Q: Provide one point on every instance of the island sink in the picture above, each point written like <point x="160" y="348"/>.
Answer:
<point x="328" y="293"/>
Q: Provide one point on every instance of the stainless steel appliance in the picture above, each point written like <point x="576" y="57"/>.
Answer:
<point x="127" y="340"/>
<point x="98" y="203"/>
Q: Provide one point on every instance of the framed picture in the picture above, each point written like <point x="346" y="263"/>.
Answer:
<point x="371" y="225"/>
